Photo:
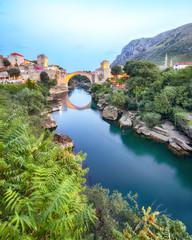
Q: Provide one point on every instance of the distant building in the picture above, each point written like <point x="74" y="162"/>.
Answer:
<point x="15" y="59"/>
<point x="181" y="65"/>
<point x="104" y="64"/>
<point x="53" y="67"/>
<point x="26" y="61"/>
<point x="42" y="60"/>
<point x="102" y="73"/>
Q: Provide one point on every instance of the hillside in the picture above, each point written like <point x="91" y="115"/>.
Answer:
<point x="177" y="43"/>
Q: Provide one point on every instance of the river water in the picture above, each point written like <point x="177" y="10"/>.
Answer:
<point x="122" y="160"/>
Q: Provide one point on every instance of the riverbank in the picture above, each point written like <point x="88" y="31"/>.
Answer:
<point x="178" y="142"/>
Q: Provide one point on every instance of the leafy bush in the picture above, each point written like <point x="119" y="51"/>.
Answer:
<point x="33" y="100"/>
<point x="151" y="119"/>
<point x="118" y="99"/>
<point x="95" y="87"/>
<point x="40" y="184"/>
<point x="132" y="106"/>
<point x="14" y="72"/>
<point x="116" y="70"/>
<point x="6" y="62"/>
<point x="44" y="77"/>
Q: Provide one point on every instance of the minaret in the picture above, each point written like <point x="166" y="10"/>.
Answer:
<point x="171" y="63"/>
<point x="166" y="61"/>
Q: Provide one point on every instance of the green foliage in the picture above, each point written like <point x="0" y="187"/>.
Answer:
<point x="131" y="106"/>
<point x="119" y="218"/>
<point x="14" y="72"/>
<point x="44" y="77"/>
<point x="144" y="69"/>
<point x="6" y="62"/>
<point x="95" y="87"/>
<point x="33" y="100"/>
<point x="112" y="212"/>
<point x="40" y="185"/>
<point x="12" y="88"/>
<point x="118" y="99"/>
<point x="31" y="84"/>
<point x="79" y="78"/>
<point x="151" y="119"/>
<point x="116" y="70"/>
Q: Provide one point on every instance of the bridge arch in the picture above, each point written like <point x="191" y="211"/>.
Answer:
<point x="88" y="75"/>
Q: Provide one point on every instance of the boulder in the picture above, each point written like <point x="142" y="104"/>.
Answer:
<point x="50" y="123"/>
<point x="125" y="121"/>
<point x="161" y="131"/>
<point x="174" y="146"/>
<point x="145" y="131"/>
<point x="110" y="112"/>
<point x="158" y="137"/>
<point x="186" y="124"/>
<point x="181" y="143"/>
<point x="58" y="89"/>
<point x="64" y="140"/>
<point x="101" y="104"/>
<point x="168" y="126"/>
<point x="106" y="97"/>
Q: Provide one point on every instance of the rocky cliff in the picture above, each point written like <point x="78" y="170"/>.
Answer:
<point x="177" y="43"/>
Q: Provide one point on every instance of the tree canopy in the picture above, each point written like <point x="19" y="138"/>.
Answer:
<point x="14" y="72"/>
<point x="6" y="62"/>
<point x="116" y="70"/>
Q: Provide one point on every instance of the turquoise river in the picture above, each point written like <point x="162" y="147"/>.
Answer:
<point x="123" y="160"/>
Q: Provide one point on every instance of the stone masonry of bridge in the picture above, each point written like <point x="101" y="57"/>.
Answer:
<point x="100" y="74"/>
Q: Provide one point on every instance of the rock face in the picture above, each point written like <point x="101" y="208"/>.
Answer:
<point x="102" y="104"/>
<point x="177" y="42"/>
<point x="110" y="113"/>
<point x="50" y="123"/>
<point x="186" y="123"/>
<point x="64" y="140"/>
<point x="125" y="121"/>
<point x="58" y="89"/>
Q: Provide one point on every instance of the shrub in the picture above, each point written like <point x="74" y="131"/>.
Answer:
<point x="118" y="99"/>
<point x="44" y="77"/>
<point x="95" y="87"/>
<point x="33" y="100"/>
<point x="132" y="106"/>
<point x="6" y="62"/>
<point x="151" y="119"/>
<point x="14" y="72"/>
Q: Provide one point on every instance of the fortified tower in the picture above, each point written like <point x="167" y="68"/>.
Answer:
<point x="42" y="60"/>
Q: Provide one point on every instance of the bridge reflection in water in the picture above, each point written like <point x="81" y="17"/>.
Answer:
<point x="68" y="104"/>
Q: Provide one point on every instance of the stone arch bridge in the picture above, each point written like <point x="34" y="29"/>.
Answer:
<point x="87" y="74"/>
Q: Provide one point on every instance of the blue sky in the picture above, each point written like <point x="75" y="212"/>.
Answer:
<point x="79" y="34"/>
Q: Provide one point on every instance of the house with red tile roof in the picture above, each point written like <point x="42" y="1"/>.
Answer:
<point x="15" y="59"/>
<point x="181" y="65"/>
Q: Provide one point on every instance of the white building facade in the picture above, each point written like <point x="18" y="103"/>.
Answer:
<point x="15" y="59"/>
<point x="181" y="65"/>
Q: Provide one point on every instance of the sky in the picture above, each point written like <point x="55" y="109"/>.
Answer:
<point x="79" y="34"/>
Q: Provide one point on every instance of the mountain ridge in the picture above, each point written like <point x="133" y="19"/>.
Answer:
<point x="177" y="43"/>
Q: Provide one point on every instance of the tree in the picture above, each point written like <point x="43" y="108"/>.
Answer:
<point x="119" y="99"/>
<point x="44" y="77"/>
<point x="116" y="70"/>
<point x="31" y="84"/>
<point x="151" y="119"/>
<point x="14" y="72"/>
<point x="144" y="69"/>
<point x="33" y="100"/>
<point x="6" y="62"/>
